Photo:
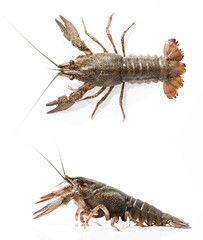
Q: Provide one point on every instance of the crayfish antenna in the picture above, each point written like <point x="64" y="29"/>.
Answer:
<point x="51" y="164"/>
<point x="26" y="116"/>
<point x="65" y="177"/>
<point x="12" y="25"/>
<point x="29" y="41"/>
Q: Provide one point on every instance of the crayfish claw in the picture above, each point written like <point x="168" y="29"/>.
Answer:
<point x="69" y="29"/>
<point x="63" y="104"/>
<point x="49" y="207"/>
<point x="71" y="34"/>
<point x="60" y="25"/>
<point x="52" y="103"/>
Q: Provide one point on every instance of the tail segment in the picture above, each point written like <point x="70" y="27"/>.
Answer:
<point x="145" y="214"/>
<point x="174" y="222"/>
<point x="176" y="68"/>
<point x="171" y="50"/>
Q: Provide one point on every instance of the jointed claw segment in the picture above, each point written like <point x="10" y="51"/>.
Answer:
<point x="49" y="207"/>
<point x="65" y="102"/>
<point x="71" y="34"/>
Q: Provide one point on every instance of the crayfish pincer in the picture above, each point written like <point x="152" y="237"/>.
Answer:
<point x="95" y="200"/>
<point x="106" y="70"/>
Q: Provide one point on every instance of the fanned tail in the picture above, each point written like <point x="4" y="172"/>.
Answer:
<point x="174" y="56"/>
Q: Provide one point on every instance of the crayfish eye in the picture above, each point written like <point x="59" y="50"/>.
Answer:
<point x="71" y="77"/>
<point x="77" y="181"/>
<point x="71" y="62"/>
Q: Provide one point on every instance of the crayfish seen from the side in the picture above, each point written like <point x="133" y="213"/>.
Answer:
<point x="95" y="200"/>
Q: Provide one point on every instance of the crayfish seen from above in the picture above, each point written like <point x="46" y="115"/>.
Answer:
<point x="95" y="200"/>
<point x="106" y="70"/>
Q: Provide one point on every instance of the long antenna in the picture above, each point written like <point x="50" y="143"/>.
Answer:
<point x="42" y="55"/>
<point x="65" y="177"/>
<point x="51" y="164"/>
<point x="26" y="116"/>
<point x="30" y="42"/>
<point x="60" y="160"/>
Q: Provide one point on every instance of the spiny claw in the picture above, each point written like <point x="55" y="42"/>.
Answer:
<point x="63" y="200"/>
<point x="71" y="34"/>
<point x="69" y="30"/>
<point x="49" y="207"/>
<point x="55" y="194"/>
<point x="63" y="103"/>
<point x="60" y="25"/>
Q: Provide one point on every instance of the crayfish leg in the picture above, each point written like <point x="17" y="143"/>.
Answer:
<point x="95" y="95"/>
<point x="93" y="38"/>
<point x="77" y="214"/>
<point x="121" y="100"/>
<point x="122" y="38"/>
<point x="139" y="223"/>
<point x="115" y="220"/>
<point x="109" y="35"/>
<point x="92" y="213"/>
<point x="123" y="84"/>
<point x="101" y="100"/>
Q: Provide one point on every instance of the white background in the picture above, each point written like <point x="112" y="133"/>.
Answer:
<point x="155" y="155"/>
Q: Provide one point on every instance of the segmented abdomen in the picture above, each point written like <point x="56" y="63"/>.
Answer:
<point x="146" y="213"/>
<point x="144" y="69"/>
